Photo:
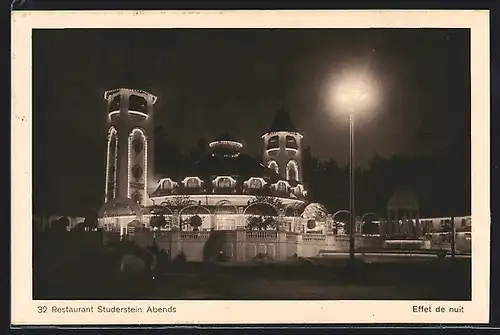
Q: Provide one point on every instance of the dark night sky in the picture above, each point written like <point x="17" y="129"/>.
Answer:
<point x="208" y="79"/>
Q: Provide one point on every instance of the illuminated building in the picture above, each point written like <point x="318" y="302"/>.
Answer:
<point x="226" y="188"/>
<point x="255" y="208"/>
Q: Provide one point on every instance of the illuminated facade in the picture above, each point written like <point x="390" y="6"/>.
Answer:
<point x="253" y="208"/>
<point x="225" y="190"/>
<point x="130" y="142"/>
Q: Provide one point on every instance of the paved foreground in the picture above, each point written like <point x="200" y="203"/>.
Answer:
<point x="307" y="279"/>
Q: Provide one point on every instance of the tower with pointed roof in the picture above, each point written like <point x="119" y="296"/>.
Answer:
<point x="130" y="139"/>
<point x="283" y="149"/>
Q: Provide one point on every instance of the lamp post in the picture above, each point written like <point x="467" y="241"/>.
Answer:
<point x="354" y="93"/>
<point x="352" y="216"/>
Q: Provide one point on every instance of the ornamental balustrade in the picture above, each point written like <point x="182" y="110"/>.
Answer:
<point x="257" y="235"/>
<point x="194" y="235"/>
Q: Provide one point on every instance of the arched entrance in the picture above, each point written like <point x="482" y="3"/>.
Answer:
<point x="225" y="216"/>
<point x="261" y="215"/>
<point x="314" y="216"/>
<point x="194" y="217"/>
<point x="369" y="226"/>
<point x="341" y="222"/>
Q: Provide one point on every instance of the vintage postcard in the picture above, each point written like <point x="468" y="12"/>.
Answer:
<point x="250" y="167"/>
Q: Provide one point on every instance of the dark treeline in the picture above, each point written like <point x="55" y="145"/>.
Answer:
<point x="441" y="181"/>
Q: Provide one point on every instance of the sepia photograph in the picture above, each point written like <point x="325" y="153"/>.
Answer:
<point x="263" y="163"/>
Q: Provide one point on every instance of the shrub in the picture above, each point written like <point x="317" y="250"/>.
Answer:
<point x="180" y="258"/>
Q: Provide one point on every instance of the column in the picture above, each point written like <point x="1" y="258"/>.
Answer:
<point x="388" y="224"/>
<point x="417" y="223"/>
<point x="175" y="242"/>
<point x="281" y="247"/>
<point x="241" y="235"/>
<point x="396" y="223"/>
<point x="382" y="229"/>
<point x="411" y="225"/>
<point x="213" y="221"/>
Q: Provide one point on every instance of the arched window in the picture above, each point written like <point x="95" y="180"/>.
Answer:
<point x="224" y="183"/>
<point x="167" y="185"/>
<point x="273" y="166"/>
<point x="274" y="142"/>
<point x="291" y="142"/>
<point x="292" y="170"/>
<point x="193" y="182"/>
<point x="255" y="183"/>
<point x="281" y="186"/>
<point x="137" y="197"/>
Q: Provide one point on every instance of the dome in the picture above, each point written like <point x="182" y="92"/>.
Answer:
<point x="403" y="198"/>
<point x="241" y="165"/>
<point x="120" y="207"/>
<point x="226" y="145"/>
<point x="225" y="136"/>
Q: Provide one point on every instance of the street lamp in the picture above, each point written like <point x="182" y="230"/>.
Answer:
<point x="354" y="94"/>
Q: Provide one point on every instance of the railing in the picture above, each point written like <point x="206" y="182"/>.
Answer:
<point x="313" y="237"/>
<point x="341" y="239"/>
<point x="262" y="235"/>
<point x="195" y="235"/>
<point x="441" y="245"/>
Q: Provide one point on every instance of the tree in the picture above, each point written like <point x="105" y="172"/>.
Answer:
<point x="265" y="212"/>
<point x="254" y="222"/>
<point x="369" y="227"/>
<point x="195" y="221"/>
<point x="60" y="224"/>
<point x="157" y="221"/>
<point x="90" y="223"/>
<point x="269" y="222"/>
<point x="199" y="150"/>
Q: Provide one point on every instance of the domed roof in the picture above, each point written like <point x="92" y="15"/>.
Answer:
<point x="282" y="122"/>
<point x="241" y="165"/>
<point x="120" y="207"/>
<point x="226" y="145"/>
<point x="403" y="198"/>
<point x="225" y="136"/>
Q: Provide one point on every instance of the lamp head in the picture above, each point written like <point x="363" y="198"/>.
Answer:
<point x="355" y="92"/>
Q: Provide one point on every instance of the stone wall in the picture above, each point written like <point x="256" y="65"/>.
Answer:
<point x="246" y="245"/>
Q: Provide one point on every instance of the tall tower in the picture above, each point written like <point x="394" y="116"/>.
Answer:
<point x="130" y="145"/>
<point x="282" y="147"/>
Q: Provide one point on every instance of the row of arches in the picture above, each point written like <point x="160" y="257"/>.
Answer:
<point x="137" y="165"/>
<point x="135" y="103"/>
<point x="274" y="142"/>
<point x="224" y="183"/>
<point x="125" y="206"/>
<point x="291" y="172"/>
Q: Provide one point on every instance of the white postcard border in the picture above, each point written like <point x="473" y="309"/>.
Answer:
<point x="24" y="308"/>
